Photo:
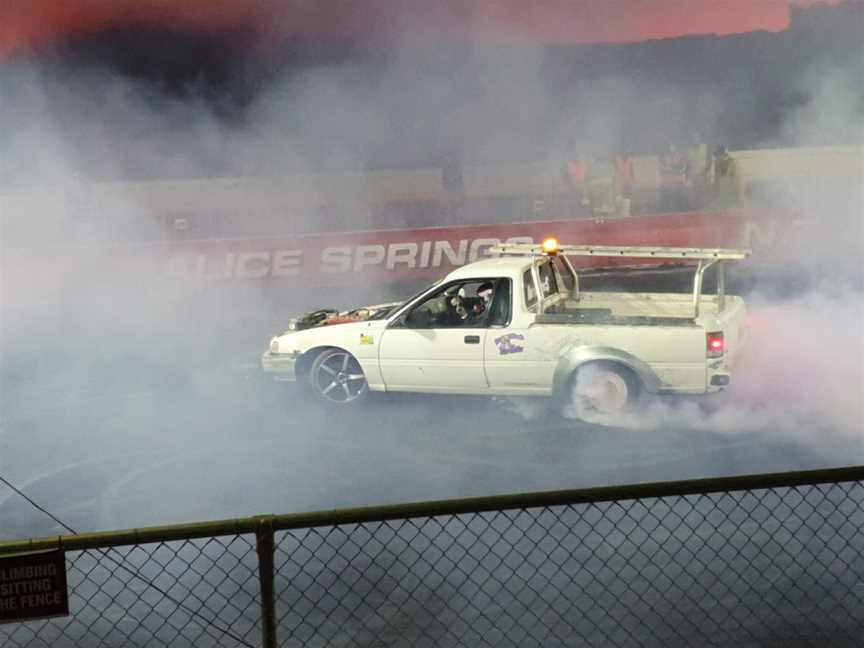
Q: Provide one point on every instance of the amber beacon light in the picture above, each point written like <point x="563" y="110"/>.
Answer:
<point x="550" y="245"/>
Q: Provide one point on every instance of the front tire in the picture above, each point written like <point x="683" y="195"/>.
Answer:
<point x="602" y="390"/>
<point x="337" y="378"/>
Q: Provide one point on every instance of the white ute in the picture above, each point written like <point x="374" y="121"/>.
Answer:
<point x="518" y="325"/>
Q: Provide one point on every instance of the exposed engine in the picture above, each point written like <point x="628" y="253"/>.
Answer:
<point x="331" y="316"/>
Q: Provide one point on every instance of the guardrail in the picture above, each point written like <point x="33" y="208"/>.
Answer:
<point x="766" y="559"/>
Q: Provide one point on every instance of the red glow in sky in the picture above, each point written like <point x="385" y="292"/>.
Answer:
<point x="26" y="24"/>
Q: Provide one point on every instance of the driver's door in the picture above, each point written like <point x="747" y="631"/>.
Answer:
<point x="433" y="349"/>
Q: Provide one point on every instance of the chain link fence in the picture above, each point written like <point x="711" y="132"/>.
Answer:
<point x="751" y="561"/>
<point x="201" y="592"/>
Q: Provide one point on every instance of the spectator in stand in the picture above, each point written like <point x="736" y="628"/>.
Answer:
<point x="575" y="169"/>
<point x="624" y="178"/>
<point x="726" y="189"/>
<point x="673" y="177"/>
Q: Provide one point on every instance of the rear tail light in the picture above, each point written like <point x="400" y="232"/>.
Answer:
<point x="714" y="344"/>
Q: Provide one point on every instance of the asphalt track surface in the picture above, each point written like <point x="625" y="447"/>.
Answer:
<point x="222" y="442"/>
<point x="105" y="439"/>
<point x="113" y="441"/>
<point x="183" y="427"/>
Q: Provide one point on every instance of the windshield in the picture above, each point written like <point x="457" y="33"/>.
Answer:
<point x="384" y="315"/>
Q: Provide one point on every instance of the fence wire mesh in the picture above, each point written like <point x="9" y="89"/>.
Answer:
<point x="734" y="569"/>
<point x="775" y="566"/>
<point x="178" y="594"/>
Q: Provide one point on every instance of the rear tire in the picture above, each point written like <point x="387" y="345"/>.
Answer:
<point x="602" y="390"/>
<point x="336" y="378"/>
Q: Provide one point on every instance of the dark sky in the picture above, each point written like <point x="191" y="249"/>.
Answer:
<point x="494" y="77"/>
<point x="28" y="23"/>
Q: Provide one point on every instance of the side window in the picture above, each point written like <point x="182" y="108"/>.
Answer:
<point x="548" y="282"/>
<point x="466" y="304"/>
<point x="530" y="291"/>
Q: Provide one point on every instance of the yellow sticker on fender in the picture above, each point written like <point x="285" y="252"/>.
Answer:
<point x="366" y="339"/>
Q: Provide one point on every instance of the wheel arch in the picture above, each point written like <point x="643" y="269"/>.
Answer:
<point x="572" y="359"/>
<point x="307" y="358"/>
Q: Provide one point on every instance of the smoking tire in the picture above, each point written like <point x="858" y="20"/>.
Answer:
<point x="336" y="378"/>
<point x="603" y="390"/>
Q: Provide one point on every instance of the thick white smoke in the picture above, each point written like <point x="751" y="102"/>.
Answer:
<point x="799" y="379"/>
<point x="154" y="347"/>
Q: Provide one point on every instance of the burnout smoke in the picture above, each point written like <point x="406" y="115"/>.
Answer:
<point x="799" y="379"/>
<point x="110" y="368"/>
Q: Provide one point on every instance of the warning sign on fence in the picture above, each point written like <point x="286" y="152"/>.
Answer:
<point x="33" y="586"/>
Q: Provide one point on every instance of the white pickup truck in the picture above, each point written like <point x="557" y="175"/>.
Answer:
<point x="518" y="325"/>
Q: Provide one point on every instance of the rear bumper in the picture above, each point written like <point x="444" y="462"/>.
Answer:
<point x="709" y="402"/>
<point x="718" y="380"/>
<point x="279" y="366"/>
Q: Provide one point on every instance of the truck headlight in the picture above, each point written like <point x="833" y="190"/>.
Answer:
<point x="274" y="345"/>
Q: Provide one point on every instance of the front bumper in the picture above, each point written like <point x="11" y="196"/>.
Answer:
<point x="280" y="366"/>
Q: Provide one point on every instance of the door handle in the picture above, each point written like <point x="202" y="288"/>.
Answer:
<point x="472" y="339"/>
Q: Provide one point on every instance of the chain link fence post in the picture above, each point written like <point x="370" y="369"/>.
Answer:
<point x="266" y="547"/>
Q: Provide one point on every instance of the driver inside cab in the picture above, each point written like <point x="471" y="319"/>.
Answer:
<point x="470" y="310"/>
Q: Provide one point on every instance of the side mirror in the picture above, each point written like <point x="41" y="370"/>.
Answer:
<point x="419" y="318"/>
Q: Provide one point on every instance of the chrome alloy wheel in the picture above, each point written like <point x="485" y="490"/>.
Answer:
<point x="338" y="378"/>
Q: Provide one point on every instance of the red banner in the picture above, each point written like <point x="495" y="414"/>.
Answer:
<point x="43" y="276"/>
<point x="414" y="253"/>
